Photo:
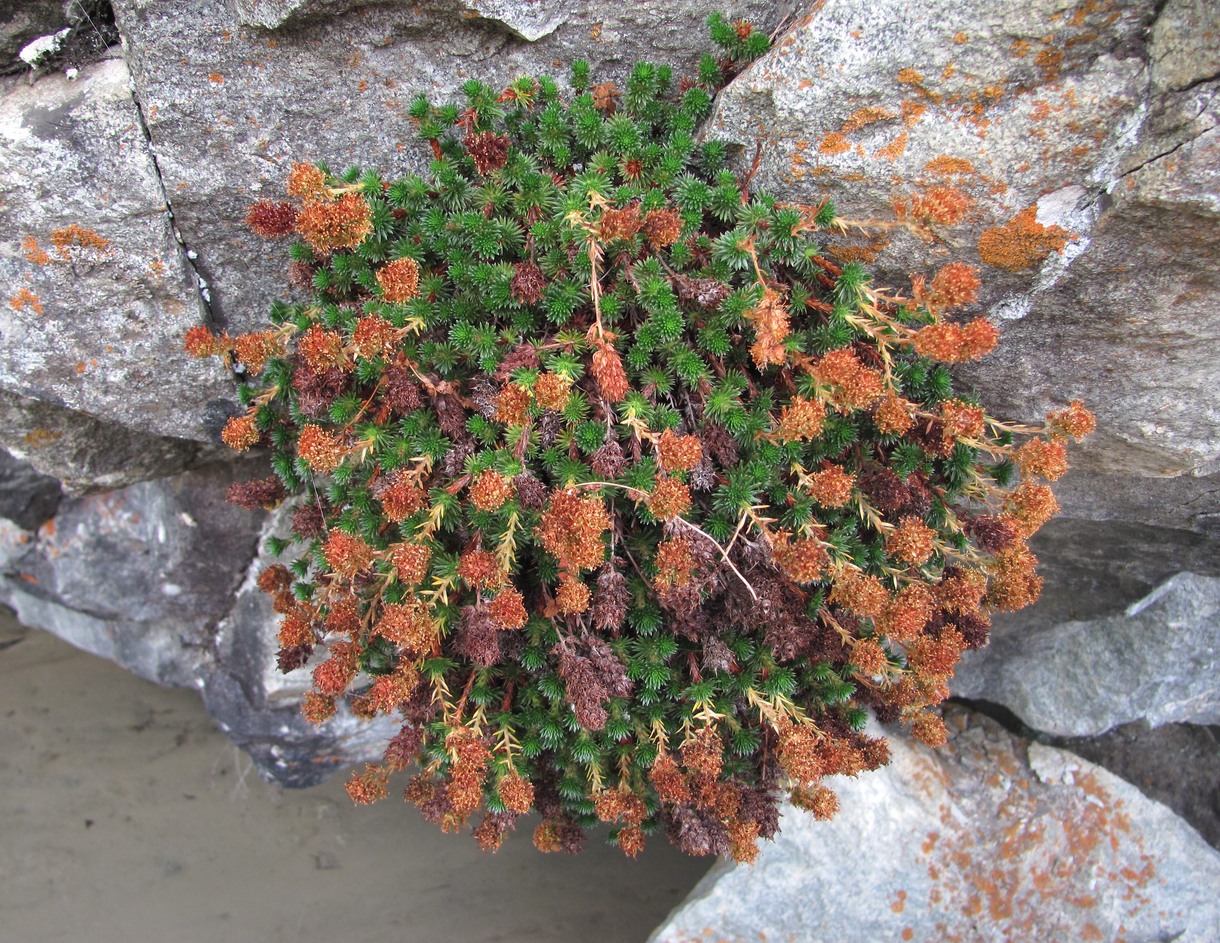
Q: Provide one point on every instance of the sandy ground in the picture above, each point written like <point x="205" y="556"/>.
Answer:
<point x="126" y="816"/>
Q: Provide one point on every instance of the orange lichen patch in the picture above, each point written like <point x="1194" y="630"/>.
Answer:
<point x="36" y="438"/>
<point x="1019" y="48"/>
<point x="860" y="253"/>
<point x="33" y="251"/>
<point x="894" y="149"/>
<point x="994" y="92"/>
<point x="948" y="71"/>
<point x="912" y="112"/>
<point x="156" y="267"/>
<point x="66" y="238"/>
<point x="910" y="77"/>
<point x="1021" y="243"/>
<point x="216" y="78"/>
<point x="863" y="117"/>
<point x="961" y="38"/>
<point x="25" y="299"/>
<point x="900" y="903"/>
<point x="946" y="166"/>
<point x="834" y="143"/>
<point x="1049" y="63"/>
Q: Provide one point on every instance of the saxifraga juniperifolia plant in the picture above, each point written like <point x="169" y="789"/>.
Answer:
<point x="608" y="484"/>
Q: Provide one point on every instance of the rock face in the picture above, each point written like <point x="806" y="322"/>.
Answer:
<point x="141" y="574"/>
<point x="27" y="498"/>
<point x="987" y="839"/>
<point x="159" y="577"/>
<point x="98" y="292"/>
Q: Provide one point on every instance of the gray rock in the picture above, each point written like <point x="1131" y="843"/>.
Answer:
<point x="987" y="839"/>
<point x="27" y="498"/>
<point x="528" y="19"/>
<point x="1184" y="48"/>
<point x="258" y="707"/>
<point x="141" y="575"/>
<point x="95" y="325"/>
<point x="159" y="577"/>
<point x="89" y="455"/>
<point x="336" y="88"/>
<point x="1155" y="661"/>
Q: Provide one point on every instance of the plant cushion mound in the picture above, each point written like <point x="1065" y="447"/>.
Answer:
<point x="610" y="485"/>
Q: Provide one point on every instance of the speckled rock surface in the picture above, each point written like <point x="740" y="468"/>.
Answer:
<point x="87" y="454"/>
<point x="987" y="839"/>
<point x="97" y="291"/>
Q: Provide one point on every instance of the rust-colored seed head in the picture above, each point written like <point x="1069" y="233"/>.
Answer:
<point x="512" y="405"/>
<point x="573" y="596"/>
<point x="527" y="284"/>
<point x="1030" y="506"/>
<point x="345" y="554"/>
<point x="271" y="220"/>
<point x="399" y="280"/>
<point x="956" y="284"/>
<point x="374" y="336"/>
<point x="329" y="226"/>
<point x="507" y="610"/>
<point x="480" y="568"/>
<point x="1043" y="458"/>
<point x="490" y="490"/>
<point x="240" y="433"/>
<point x="369" y="786"/>
<point x="801" y="419"/>
<point x="893" y="415"/>
<point x="488" y="150"/>
<point x="663" y="227"/>
<point x="517" y="793"/>
<point x="552" y="391"/>
<point x="571" y="530"/>
<point x="320" y="450"/>
<point x="912" y="542"/>
<point x="1075" y="421"/>
<point x="678" y="452"/>
<point x="609" y="373"/>
<point x="306" y="182"/>
<point x="804" y="560"/>
<point x="832" y="487"/>
<point x="669" y="499"/>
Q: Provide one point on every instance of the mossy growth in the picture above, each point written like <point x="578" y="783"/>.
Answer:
<point x="621" y="496"/>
